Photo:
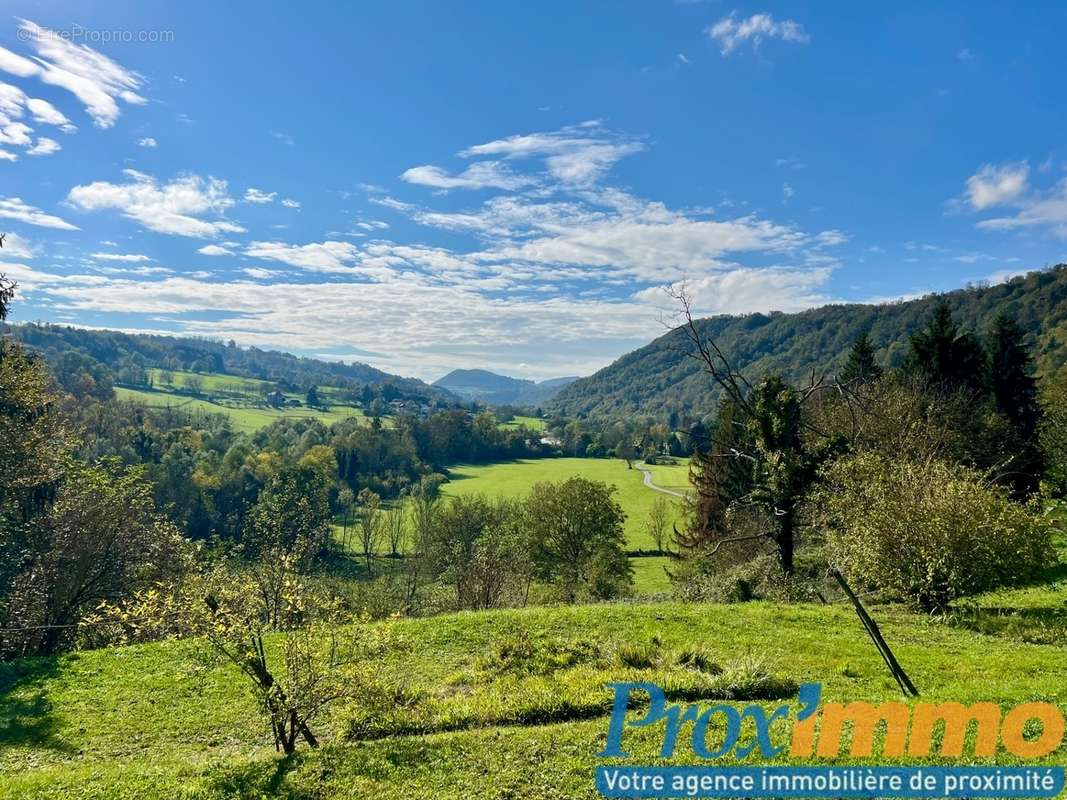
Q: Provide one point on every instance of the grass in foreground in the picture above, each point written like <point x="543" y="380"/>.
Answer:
<point x="133" y="722"/>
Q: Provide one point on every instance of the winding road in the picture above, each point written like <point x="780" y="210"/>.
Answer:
<point x="648" y="482"/>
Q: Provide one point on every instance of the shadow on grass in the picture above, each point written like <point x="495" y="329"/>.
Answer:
<point x="353" y="566"/>
<point x="1040" y="625"/>
<point x="26" y="716"/>
<point x="261" y="779"/>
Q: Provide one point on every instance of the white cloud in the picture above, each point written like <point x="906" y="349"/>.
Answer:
<point x="284" y="138"/>
<point x="135" y="270"/>
<point x="744" y="291"/>
<point x="129" y="257"/>
<point x="1046" y="210"/>
<point x="576" y="154"/>
<point x="14" y="208"/>
<point x="174" y="207"/>
<point x="482" y="175"/>
<point x="965" y="54"/>
<point x="16" y="247"/>
<point x="261" y="274"/>
<point x="47" y="114"/>
<point x="16" y="133"/>
<point x="253" y="195"/>
<point x="44" y="147"/>
<point x="683" y="59"/>
<point x="92" y="77"/>
<point x="316" y="257"/>
<point x="289" y="202"/>
<point x="147" y="141"/>
<point x="214" y="250"/>
<point x="730" y="32"/>
<point x="372" y="225"/>
<point x="996" y="185"/>
<point x="787" y="192"/>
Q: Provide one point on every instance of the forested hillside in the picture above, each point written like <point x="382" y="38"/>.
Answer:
<point x="135" y="352"/>
<point x="658" y="380"/>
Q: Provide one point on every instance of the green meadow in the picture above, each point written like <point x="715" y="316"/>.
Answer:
<point x="142" y="722"/>
<point x="245" y="418"/>
<point x="533" y="423"/>
<point x="514" y="479"/>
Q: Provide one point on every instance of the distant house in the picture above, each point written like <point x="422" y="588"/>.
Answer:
<point x="275" y="399"/>
<point x="411" y="407"/>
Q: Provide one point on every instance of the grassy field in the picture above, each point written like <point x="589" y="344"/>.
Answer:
<point x="247" y="419"/>
<point x="138" y="722"/>
<point x="514" y="479"/>
<point x="671" y="476"/>
<point x="533" y="423"/>
<point x="214" y="383"/>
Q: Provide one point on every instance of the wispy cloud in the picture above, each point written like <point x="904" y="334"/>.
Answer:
<point x="14" y="208"/>
<point x="576" y="154"/>
<point x="730" y="32"/>
<point x="175" y="207"/>
<point x="326" y="256"/>
<point x="253" y="195"/>
<point x="96" y="80"/>
<point x="129" y="257"/>
<point x="214" y="250"/>
<point x="482" y="175"/>
<point x="994" y="185"/>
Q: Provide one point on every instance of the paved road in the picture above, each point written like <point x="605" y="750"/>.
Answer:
<point x="651" y="485"/>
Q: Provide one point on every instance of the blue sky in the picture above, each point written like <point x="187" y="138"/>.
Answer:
<point x="425" y="186"/>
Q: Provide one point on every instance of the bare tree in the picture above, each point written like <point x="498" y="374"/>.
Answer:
<point x="658" y="522"/>
<point x="370" y="524"/>
<point x="783" y="450"/>
<point x="346" y="498"/>
<point x="396" y="526"/>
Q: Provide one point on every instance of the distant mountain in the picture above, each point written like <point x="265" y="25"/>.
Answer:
<point x="113" y="349"/>
<point x="488" y="387"/>
<point x="660" y="379"/>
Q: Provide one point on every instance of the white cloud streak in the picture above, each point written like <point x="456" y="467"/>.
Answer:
<point x="175" y="207"/>
<point x="92" y="77"/>
<point x="730" y="32"/>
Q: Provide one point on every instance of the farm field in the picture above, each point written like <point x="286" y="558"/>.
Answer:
<point x="514" y="479"/>
<point x="244" y="418"/>
<point x="674" y="477"/>
<point x="533" y="423"/>
<point x="139" y="722"/>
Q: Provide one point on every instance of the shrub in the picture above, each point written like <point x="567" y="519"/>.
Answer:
<point x="925" y="531"/>
<point x="708" y="580"/>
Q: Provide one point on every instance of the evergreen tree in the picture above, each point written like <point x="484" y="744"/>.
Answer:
<point x="943" y="356"/>
<point x="1009" y="375"/>
<point x="1012" y="388"/>
<point x="718" y="473"/>
<point x="861" y="366"/>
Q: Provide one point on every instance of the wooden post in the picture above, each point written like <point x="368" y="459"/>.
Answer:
<point x="906" y="686"/>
